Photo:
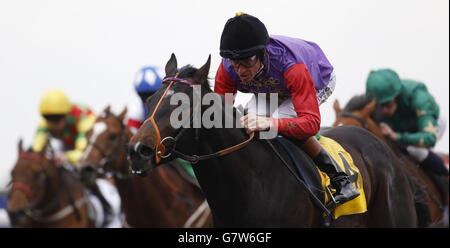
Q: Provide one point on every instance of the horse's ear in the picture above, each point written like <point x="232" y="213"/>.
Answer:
<point x="171" y="66"/>
<point x="44" y="150"/>
<point x="368" y="109"/>
<point x="201" y="75"/>
<point x="107" y="110"/>
<point x="19" y="146"/>
<point x="122" y="115"/>
<point x="336" y="107"/>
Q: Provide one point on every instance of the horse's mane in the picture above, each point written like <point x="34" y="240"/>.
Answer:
<point x="358" y="102"/>
<point x="189" y="71"/>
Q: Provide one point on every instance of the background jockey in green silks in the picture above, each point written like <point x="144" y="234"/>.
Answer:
<point x="66" y="122"/>
<point x="410" y="116"/>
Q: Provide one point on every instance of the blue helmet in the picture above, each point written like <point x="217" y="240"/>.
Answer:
<point x="148" y="79"/>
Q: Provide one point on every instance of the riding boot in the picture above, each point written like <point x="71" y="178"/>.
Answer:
<point x="434" y="164"/>
<point x="345" y="191"/>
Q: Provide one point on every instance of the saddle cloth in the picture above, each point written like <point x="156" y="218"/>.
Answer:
<point x="345" y="161"/>
<point x="318" y="181"/>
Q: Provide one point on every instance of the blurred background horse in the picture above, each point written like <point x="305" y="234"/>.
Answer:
<point x="45" y="195"/>
<point x="361" y="112"/>
<point x="169" y="197"/>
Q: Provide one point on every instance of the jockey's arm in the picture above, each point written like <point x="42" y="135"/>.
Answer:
<point x="40" y="137"/>
<point x="223" y="84"/>
<point x="83" y="126"/>
<point x="304" y="99"/>
<point x="426" y="110"/>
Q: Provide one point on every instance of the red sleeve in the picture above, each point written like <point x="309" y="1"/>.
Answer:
<point x="223" y="83"/>
<point x="300" y="84"/>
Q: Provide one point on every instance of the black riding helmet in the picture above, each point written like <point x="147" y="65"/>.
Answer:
<point x="243" y="36"/>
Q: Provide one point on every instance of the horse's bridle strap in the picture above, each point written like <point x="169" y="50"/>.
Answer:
<point x="24" y="188"/>
<point x="152" y="120"/>
<point x="351" y="115"/>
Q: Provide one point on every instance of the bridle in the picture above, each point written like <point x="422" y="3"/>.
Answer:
<point x="105" y="167"/>
<point x="159" y="147"/>
<point x="363" y="122"/>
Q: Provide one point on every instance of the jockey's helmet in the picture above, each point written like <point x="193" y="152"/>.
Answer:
<point x="243" y="36"/>
<point x="147" y="81"/>
<point x="54" y="102"/>
<point x="384" y="85"/>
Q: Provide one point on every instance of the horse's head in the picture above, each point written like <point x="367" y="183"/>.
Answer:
<point x="157" y="136"/>
<point x="360" y="111"/>
<point x="30" y="182"/>
<point x="357" y="112"/>
<point x="105" y="144"/>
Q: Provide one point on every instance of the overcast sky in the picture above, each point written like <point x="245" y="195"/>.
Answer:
<point x="92" y="49"/>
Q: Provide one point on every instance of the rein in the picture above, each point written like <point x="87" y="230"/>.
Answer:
<point x="160" y="148"/>
<point x="359" y="119"/>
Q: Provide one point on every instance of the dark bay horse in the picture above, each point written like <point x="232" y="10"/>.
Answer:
<point x="163" y="199"/>
<point x="44" y="195"/>
<point x="245" y="183"/>
<point x="360" y="112"/>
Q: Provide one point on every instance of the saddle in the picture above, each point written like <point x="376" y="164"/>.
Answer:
<point x="318" y="181"/>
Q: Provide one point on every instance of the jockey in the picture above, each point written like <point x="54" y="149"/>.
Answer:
<point x="146" y="82"/>
<point x="254" y="62"/>
<point x="410" y="116"/>
<point x="66" y="122"/>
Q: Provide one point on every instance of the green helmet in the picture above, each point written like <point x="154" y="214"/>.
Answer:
<point x="384" y="85"/>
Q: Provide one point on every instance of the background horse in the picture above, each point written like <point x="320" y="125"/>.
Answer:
<point x="163" y="199"/>
<point x="244" y="181"/>
<point x="45" y="195"/>
<point x="360" y="112"/>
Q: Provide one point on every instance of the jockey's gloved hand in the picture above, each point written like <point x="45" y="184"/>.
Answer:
<point x="252" y="122"/>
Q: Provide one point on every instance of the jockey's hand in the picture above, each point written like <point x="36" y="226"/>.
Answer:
<point x="252" y="122"/>
<point x="60" y="158"/>
<point x="387" y="131"/>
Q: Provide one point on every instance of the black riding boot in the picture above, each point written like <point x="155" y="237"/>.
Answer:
<point x="345" y="191"/>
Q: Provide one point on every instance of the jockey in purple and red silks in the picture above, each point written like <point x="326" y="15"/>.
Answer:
<point x="254" y="62"/>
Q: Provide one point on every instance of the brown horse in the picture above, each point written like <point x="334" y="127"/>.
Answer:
<point x="45" y="195"/>
<point x="359" y="112"/>
<point x="166" y="198"/>
<point x="247" y="183"/>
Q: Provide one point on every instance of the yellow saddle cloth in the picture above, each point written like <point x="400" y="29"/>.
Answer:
<point x="345" y="161"/>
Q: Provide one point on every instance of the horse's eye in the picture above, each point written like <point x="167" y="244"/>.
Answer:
<point x="112" y="137"/>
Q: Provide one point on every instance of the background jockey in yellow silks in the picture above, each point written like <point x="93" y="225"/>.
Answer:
<point x="66" y="122"/>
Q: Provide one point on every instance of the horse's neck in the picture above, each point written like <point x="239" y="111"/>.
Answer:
<point x="375" y="129"/>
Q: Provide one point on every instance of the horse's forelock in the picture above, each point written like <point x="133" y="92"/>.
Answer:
<point x="188" y="71"/>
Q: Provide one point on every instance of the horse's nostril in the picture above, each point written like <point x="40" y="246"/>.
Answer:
<point x="139" y="151"/>
<point x="145" y="151"/>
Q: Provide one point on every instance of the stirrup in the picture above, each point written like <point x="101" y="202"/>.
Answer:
<point x="331" y="204"/>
